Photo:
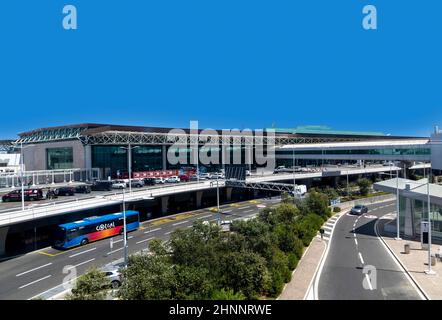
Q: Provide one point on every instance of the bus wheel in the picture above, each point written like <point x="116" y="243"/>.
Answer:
<point x="84" y="242"/>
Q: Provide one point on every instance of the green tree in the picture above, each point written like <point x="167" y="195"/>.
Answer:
<point x="227" y="294"/>
<point x="93" y="285"/>
<point x="244" y="272"/>
<point x="317" y="203"/>
<point x="147" y="277"/>
<point x="364" y="185"/>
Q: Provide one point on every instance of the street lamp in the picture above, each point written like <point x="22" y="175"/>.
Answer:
<point x="217" y="199"/>
<point x="129" y="163"/>
<point x="294" y="176"/>
<point x="124" y="229"/>
<point x="22" y="174"/>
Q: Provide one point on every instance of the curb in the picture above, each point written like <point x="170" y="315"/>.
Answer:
<point x="400" y="263"/>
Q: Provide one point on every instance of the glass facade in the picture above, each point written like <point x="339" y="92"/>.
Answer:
<point x="384" y="152"/>
<point x="147" y="158"/>
<point x="59" y="158"/>
<point x="418" y="212"/>
<point x="109" y="158"/>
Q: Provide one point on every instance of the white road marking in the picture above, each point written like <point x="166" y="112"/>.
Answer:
<point x="153" y="230"/>
<point x="181" y="222"/>
<point x="354" y="234"/>
<point x="360" y="258"/>
<point x="81" y="263"/>
<point x="20" y="274"/>
<point x="244" y="207"/>
<point x="227" y="211"/>
<point x="85" y="251"/>
<point x="130" y="237"/>
<point x="248" y="211"/>
<point x="31" y="283"/>
<point x="209" y="215"/>
<point x="148" y="239"/>
<point x="169" y="232"/>
<point x="110" y="252"/>
<point x="367" y="278"/>
<point x="356" y="241"/>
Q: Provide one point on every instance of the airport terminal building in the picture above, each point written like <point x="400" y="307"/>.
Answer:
<point x="105" y="147"/>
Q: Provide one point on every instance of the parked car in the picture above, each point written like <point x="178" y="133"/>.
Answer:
<point x="149" y="181"/>
<point x="173" y="179"/>
<point x="101" y="185"/>
<point x="359" y="209"/>
<point x="29" y="194"/>
<point x="136" y="183"/>
<point x="51" y="194"/>
<point x="184" y="178"/>
<point x="205" y="175"/>
<point x="279" y="169"/>
<point x="159" y="180"/>
<point x="83" y="189"/>
<point x="65" y="191"/>
<point x="217" y="175"/>
<point x="113" y="274"/>
<point x="118" y="184"/>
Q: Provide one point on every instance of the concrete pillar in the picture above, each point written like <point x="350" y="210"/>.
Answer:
<point x="164" y="204"/>
<point x="3" y="234"/>
<point x="199" y="197"/>
<point x="164" y="154"/>
<point x="88" y="162"/>
<point x="408" y="216"/>
<point x="229" y="194"/>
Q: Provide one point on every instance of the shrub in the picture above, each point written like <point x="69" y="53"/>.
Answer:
<point x="293" y="261"/>
<point x="227" y="294"/>
<point x="336" y="209"/>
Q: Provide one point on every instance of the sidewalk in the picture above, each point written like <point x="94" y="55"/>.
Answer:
<point x="304" y="273"/>
<point x="416" y="262"/>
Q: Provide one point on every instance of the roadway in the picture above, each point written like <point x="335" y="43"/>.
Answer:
<point x="32" y="274"/>
<point x="355" y="245"/>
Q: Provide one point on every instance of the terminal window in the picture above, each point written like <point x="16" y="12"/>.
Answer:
<point x="59" y="158"/>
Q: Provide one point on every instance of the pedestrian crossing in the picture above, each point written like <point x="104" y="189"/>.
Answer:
<point x="328" y="227"/>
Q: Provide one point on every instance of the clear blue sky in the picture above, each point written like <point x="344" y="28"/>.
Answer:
<point x="228" y="64"/>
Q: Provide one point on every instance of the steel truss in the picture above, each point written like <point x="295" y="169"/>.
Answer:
<point x="6" y="145"/>
<point x="116" y="138"/>
<point x="270" y="186"/>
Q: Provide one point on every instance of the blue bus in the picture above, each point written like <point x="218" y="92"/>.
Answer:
<point x="94" y="228"/>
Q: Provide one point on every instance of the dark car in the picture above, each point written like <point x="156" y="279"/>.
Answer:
<point x="51" y="194"/>
<point x="149" y="181"/>
<point x="29" y="194"/>
<point x="66" y="191"/>
<point x="83" y="189"/>
<point x="102" y="185"/>
<point x="359" y="209"/>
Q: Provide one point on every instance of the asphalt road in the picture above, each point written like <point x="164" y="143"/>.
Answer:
<point x="29" y="275"/>
<point x="355" y="246"/>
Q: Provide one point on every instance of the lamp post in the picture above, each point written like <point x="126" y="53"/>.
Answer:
<point x="217" y="199"/>
<point x="124" y="229"/>
<point x="294" y="175"/>
<point x="398" y="234"/>
<point x="129" y="163"/>
<point x="22" y="174"/>
<point x="429" y="271"/>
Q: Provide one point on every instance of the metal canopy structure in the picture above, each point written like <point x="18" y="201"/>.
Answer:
<point x="100" y="134"/>
<point x="270" y="186"/>
<point x="146" y="138"/>
<point x="6" y="146"/>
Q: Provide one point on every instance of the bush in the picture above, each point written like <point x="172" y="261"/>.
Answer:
<point x="90" y="286"/>
<point x="227" y="294"/>
<point x="293" y="261"/>
<point x="336" y="209"/>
